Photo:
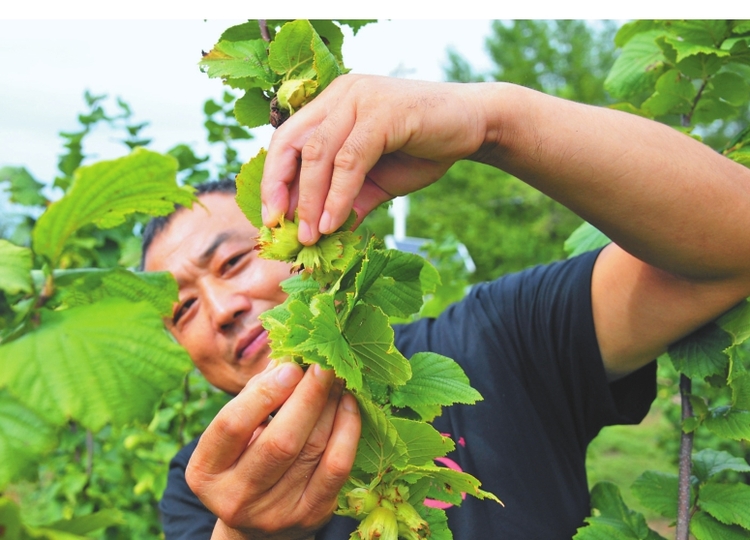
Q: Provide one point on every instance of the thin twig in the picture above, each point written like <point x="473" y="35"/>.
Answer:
<point x="686" y="451"/>
<point x="264" y="30"/>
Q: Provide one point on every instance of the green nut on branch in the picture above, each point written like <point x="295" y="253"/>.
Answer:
<point x="294" y="93"/>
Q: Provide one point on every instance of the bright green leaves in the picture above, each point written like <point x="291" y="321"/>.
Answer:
<point x="684" y="68"/>
<point x="248" y="189"/>
<point x="658" y="491"/>
<point x="104" y="354"/>
<point x="728" y="503"/>
<point x="380" y="446"/>
<point x="15" y="268"/>
<point x="585" y="238"/>
<point x="708" y="463"/>
<point x="103" y="194"/>
<point x="282" y="74"/>
<point x="24" y="437"/>
<point x="22" y="187"/>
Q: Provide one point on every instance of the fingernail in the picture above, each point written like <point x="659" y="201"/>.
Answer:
<point x="264" y="213"/>
<point x="287" y="375"/>
<point x="304" y="234"/>
<point x="325" y="223"/>
<point x="349" y="403"/>
<point x="321" y="373"/>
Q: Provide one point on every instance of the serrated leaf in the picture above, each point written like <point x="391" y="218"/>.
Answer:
<point x="379" y="446"/>
<point x="438" y="522"/>
<point x="327" y="339"/>
<point x="448" y="485"/>
<point x="15" y="268"/>
<point x="252" y="109"/>
<point x="297" y="285"/>
<point x="399" y="291"/>
<point x="291" y="53"/>
<point x="240" y="59"/>
<point x="701" y="354"/>
<point x="730" y="423"/>
<point x="356" y="24"/>
<point x="242" y="32"/>
<point x="611" y="515"/>
<point x="729" y="503"/>
<point x="78" y="287"/>
<point x="585" y="238"/>
<point x="325" y="63"/>
<point x="22" y="187"/>
<point x="331" y="34"/>
<point x="436" y="381"/>
<point x="709" y="462"/>
<point x="637" y="68"/>
<point x="674" y="95"/>
<point x="248" y="188"/>
<point x="737" y="322"/>
<point x="424" y="442"/>
<point x="705" y="527"/>
<point x="657" y="491"/>
<point x="86" y="363"/>
<point x="106" y="193"/>
<point x="685" y="49"/>
<point x="740" y="385"/>
<point x="370" y="337"/>
<point x="24" y="438"/>
<point x="711" y="108"/>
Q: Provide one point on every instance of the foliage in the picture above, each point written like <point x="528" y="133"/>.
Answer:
<point x="688" y="74"/>
<point x="337" y="315"/>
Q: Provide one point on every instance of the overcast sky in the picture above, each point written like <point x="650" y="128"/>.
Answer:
<point x="152" y="65"/>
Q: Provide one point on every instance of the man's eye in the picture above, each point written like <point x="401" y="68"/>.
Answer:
<point x="233" y="261"/>
<point x="181" y="310"/>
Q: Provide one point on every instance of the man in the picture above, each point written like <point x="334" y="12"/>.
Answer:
<point x="557" y="351"/>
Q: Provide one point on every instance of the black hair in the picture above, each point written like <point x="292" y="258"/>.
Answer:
<point x="158" y="224"/>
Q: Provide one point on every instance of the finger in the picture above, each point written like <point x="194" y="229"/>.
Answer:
<point x="338" y="458"/>
<point x="227" y="436"/>
<point x="277" y="448"/>
<point x="309" y="457"/>
<point x="317" y="165"/>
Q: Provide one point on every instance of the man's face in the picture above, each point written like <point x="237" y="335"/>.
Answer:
<point x="224" y="287"/>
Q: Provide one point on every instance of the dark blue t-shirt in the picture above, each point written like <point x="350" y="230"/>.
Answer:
<point x="527" y="344"/>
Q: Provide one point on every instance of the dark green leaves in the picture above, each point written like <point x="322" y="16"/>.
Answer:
<point x="701" y="354"/>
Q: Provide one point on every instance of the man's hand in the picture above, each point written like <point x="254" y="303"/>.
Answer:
<point x="363" y="141"/>
<point x="279" y="478"/>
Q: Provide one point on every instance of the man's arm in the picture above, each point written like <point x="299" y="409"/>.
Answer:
<point x="678" y="212"/>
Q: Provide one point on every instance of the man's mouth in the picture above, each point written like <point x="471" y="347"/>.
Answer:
<point x="251" y="343"/>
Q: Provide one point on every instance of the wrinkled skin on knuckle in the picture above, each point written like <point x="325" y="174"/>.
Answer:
<point x="278" y="450"/>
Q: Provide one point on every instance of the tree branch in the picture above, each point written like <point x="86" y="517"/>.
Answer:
<point x="686" y="451"/>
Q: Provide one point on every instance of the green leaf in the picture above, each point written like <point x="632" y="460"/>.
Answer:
<point x="686" y="49"/>
<point x="709" y="462"/>
<point x="637" y="68"/>
<point x="291" y="54"/>
<point x="84" y="525"/>
<point x="248" y="188"/>
<point x="585" y="238"/>
<point x="15" y="268"/>
<point x="105" y="193"/>
<point x="243" y="32"/>
<point x="657" y="491"/>
<point x="86" y="363"/>
<point x="612" y="519"/>
<point x="356" y="24"/>
<point x="438" y="522"/>
<point x="436" y="381"/>
<point x="370" y="337"/>
<point x="10" y="519"/>
<point x="423" y="441"/>
<point x="701" y="354"/>
<point x="730" y="87"/>
<point x="705" y="32"/>
<point x="448" y="485"/>
<point x="729" y="503"/>
<point x="24" y="438"/>
<point x="399" y="291"/>
<point x="78" y="287"/>
<point x="380" y="447"/>
<point x="327" y="339"/>
<point x="22" y="186"/>
<point x="253" y="109"/>
<point x="737" y="322"/>
<point x="332" y="36"/>
<point x="240" y="59"/>
<point x="711" y="108"/>
<point x="704" y="527"/>
<point x="674" y="95"/>
<point x="730" y="423"/>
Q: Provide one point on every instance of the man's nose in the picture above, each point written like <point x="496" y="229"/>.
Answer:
<point x="225" y="304"/>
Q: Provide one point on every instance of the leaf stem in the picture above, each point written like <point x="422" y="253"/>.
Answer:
<point x="264" y="30"/>
<point x="686" y="451"/>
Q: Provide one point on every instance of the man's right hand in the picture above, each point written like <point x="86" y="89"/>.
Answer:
<point x="280" y="478"/>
